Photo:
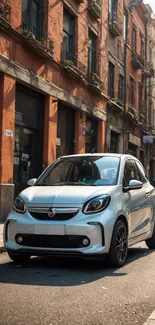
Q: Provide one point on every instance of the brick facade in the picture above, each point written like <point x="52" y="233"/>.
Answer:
<point x="128" y="121"/>
<point x="22" y="61"/>
<point x="38" y="64"/>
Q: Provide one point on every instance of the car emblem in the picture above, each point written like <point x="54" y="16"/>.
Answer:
<point x="51" y="213"/>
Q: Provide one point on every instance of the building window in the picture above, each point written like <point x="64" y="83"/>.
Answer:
<point x="142" y="47"/>
<point x="150" y="113"/>
<point x="91" y="52"/>
<point x="68" y="37"/>
<point x="32" y="15"/>
<point x="132" y="149"/>
<point x="114" y="142"/>
<point x="121" y="88"/>
<point x="113" y="6"/>
<point x="125" y="31"/>
<point x="132" y="92"/>
<point x="111" y="80"/>
<point x="113" y="10"/>
<point x="134" y="38"/>
<point x="140" y="93"/>
<point x="91" y="135"/>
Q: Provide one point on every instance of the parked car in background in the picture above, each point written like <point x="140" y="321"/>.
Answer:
<point x="88" y="205"/>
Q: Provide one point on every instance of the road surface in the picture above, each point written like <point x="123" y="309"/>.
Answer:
<point x="74" y="292"/>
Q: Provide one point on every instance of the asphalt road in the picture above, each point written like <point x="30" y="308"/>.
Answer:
<point x="52" y="292"/>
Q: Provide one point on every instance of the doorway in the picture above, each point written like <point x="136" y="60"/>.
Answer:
<point x="28" y="146"/>
<point x="65" y="130"/>
<point x="25" y="157"/>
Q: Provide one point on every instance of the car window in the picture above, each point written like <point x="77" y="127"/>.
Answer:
<point x="142" y="173"/>
<point x="59" y="174"/>
<point x="97" y="170"/>
<point x="130" y="172"/>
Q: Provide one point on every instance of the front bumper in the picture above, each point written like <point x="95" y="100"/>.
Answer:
<point x="60" y="237"/>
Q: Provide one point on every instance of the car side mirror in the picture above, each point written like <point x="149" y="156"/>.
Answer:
<point x="133" y="185"/>
<point x="31" y="182"/>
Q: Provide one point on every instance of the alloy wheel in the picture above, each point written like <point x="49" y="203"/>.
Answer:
<point x="121" y="243"/>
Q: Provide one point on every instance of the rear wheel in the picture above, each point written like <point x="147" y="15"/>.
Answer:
<point x="19" y="258"/>
<point x="119" y="245"/>
<point x="151" y="241"/>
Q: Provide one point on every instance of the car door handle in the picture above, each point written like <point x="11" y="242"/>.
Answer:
<point x="148" y="194"/>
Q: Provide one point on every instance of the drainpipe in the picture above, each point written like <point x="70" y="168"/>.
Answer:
<point x="146" y="97"/>
<point x="125" y="79"/>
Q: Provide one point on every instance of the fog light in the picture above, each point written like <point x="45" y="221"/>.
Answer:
<point x="19" y="239"/>
<point x="85" y="242"/>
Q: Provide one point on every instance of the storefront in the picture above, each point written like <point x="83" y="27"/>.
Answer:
<point x="28" y="149"/>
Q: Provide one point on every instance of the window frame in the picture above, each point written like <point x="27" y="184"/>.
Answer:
<point x="70" y="53"/>
<point x="114" y="138"/>
<point x="132" y="98"/>
<point x="29" y="25"/>
<point x="140" y="94"/>
<point x="144" y="179"/>
<point x="142" y="46"/>
<point x="121" y="88"/>
<point x="134" y="38"/>
<point x="124" y="182"/>
<point x="92" y="51"/>
<point x="111" y="76"/>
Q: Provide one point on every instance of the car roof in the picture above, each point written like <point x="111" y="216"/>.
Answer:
<point x="119" y="155"/>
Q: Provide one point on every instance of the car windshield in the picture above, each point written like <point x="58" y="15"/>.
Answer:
<point x="82" y="170"/>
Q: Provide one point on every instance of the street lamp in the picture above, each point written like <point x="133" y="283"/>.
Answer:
<point x="131" y="5"/>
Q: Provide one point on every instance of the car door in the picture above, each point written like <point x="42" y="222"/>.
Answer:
<point x="136" y="201"/>
<point x="146" y="222"/>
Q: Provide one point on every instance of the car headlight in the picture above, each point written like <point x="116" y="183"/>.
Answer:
<point x="19" y="205"/>
<point x="96" y="204"/>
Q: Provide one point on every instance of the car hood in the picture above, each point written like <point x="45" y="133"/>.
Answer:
<point x="59" y="195"/>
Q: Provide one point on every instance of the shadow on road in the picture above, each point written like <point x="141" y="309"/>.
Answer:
<point x="63" y="272"/>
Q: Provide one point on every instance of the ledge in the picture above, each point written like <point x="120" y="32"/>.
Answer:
<point x="6" y="28"/>
<point x="19" y="72"/>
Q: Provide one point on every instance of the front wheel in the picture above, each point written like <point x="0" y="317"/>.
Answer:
<point x="19" y="258"/>
<point x="119" y="245"/>
<point x="151" y="241"/>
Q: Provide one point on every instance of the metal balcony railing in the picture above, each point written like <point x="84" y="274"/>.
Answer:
<point x="5" y="11"/>
<point x="71" y="63"/>
<point x="137" y="60"/>
<point x="95" y="81"/>
<point x="94" y="7"/>
<point x="121" y="94"/>
<point x="113" y="22"/>
<point x="31" y="33"/>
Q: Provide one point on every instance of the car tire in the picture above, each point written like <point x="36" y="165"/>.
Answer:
<point x="119" y="245"/>
<point x="19" y="258"/>
<point x="151" y="241"/>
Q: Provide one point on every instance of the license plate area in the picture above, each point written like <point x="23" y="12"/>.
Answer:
<point x="49" y="230"/>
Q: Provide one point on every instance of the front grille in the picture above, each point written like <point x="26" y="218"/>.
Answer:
<point x="52" y="241"/>
<point x="58" y="216"/>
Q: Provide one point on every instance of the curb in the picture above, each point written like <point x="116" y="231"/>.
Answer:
<point x="151" y="319"/>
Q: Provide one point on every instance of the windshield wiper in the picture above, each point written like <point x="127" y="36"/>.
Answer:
<point x="73" y="184"/>
<point x="43" y="184"/>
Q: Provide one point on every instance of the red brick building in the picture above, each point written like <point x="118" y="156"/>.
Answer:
<point x="53" y="85"/>
<point x="128" y="72"/>
<point x="69" y="84"/>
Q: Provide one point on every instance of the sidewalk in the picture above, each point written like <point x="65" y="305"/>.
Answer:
<point x="2" y="249"/>
<point x="151" y="319"/>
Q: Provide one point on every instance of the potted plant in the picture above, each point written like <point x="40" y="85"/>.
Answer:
<point x="97" y="7"/>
